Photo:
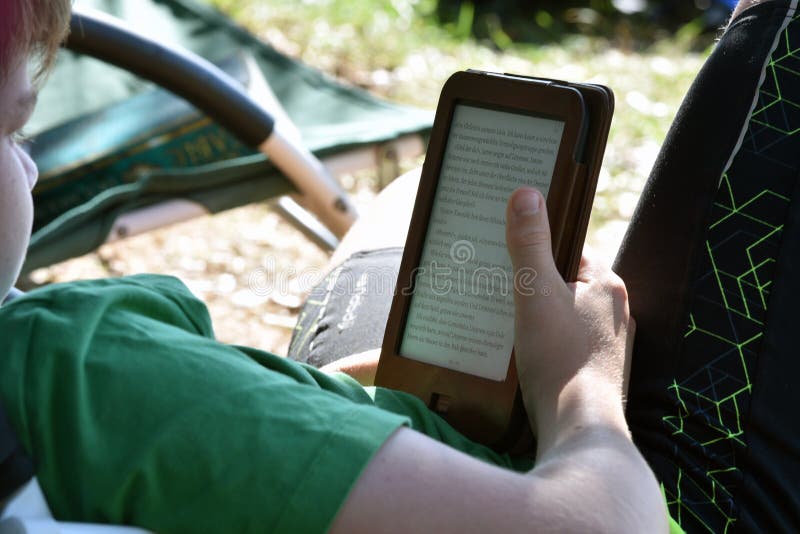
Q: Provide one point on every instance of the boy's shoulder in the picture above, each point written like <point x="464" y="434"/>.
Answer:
<point x="86" y="304"/>
<point x="142" y="282"/>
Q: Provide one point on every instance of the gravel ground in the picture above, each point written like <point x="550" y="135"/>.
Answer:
<point x="250" y="267"/>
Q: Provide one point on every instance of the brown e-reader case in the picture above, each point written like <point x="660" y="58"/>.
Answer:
<point x="449" y="336"/>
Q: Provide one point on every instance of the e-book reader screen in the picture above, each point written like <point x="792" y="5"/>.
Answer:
<point x="461" y="313"/>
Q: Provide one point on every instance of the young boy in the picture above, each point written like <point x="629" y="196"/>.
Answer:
<point x="134" y="414"/>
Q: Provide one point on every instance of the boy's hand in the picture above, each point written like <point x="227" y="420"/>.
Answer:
<point x="361" y="367"/>
<point x="571" y="340"/>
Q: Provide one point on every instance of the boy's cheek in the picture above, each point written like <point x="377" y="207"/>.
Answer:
<point x="16" y="216"/>
<point x="28" y="167"/>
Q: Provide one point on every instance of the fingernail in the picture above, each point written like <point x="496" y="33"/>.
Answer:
<point x="526" y="201"/>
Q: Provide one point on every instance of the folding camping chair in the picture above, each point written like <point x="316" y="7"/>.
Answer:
<point x="118" y="157"/>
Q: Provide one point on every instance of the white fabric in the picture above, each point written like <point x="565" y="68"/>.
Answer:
<point x="27" y="513"/>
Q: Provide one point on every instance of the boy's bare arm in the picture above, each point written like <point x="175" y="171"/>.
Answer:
<point x="595" y="482"/>
<point x="570" y="345"/>
<point x="362" y="366"/>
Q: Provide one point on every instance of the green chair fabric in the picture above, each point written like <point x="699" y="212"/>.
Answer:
<point x="107" y="142"/>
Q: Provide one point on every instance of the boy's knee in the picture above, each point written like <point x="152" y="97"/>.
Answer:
<point x="385" y="224"/>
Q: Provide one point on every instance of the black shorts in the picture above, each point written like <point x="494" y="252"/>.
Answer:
<point x="346" y="313"/>
<point x="712" y="266"/>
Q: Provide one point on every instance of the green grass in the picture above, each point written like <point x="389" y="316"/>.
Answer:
<point x="395" y="48"/>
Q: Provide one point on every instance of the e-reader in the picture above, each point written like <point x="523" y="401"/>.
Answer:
<point x="450" y="333"/>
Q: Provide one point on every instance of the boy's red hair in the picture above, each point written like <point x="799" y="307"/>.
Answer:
<point x="32" y="28"/>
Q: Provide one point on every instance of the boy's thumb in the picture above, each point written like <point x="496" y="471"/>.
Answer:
<point x="528" y="234"/>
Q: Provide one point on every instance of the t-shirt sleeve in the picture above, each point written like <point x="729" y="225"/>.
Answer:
<point x="136" y="415"/>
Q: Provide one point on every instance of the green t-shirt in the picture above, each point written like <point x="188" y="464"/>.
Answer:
<point x="135" y="414"/>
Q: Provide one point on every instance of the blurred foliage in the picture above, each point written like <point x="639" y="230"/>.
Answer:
<point x="336" y="30"/>
<point x="629" y="23"/>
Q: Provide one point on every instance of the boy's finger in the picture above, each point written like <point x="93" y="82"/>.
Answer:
<point x="594" y="268"/>
<point x="528" y="238"/>
<point x="590" y="268"/>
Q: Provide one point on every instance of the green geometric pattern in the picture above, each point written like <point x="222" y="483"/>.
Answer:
<point x="713" y="385"/>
